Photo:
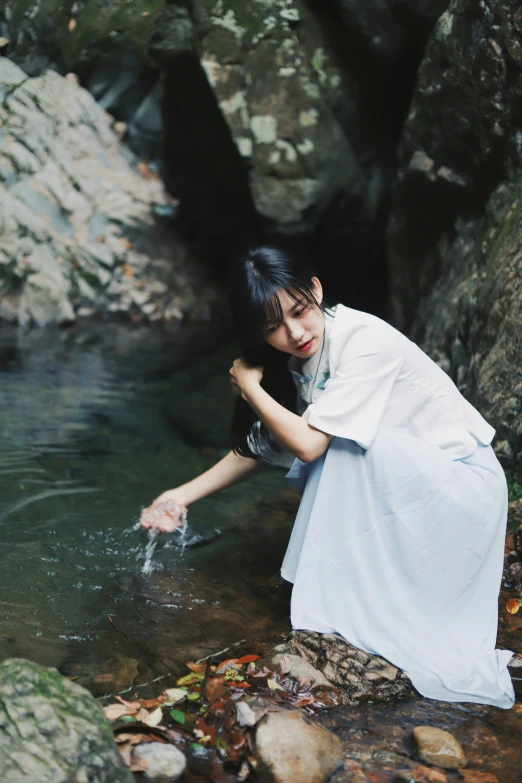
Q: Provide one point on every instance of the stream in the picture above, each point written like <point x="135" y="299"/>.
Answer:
<point x="95" y="422"/>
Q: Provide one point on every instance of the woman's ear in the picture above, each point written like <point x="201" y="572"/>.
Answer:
<point x="318" y="289"/>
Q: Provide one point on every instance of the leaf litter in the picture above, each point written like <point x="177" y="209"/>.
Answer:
<point x="211" y="713"/>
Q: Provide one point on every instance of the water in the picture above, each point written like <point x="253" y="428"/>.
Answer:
<point x="95" y="423"/>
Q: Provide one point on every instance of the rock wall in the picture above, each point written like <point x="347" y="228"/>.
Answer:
<point x="455" y="226"/>
<point x="80" y="218"/>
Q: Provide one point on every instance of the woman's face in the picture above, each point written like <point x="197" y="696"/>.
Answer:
<point x="301" y="331"/>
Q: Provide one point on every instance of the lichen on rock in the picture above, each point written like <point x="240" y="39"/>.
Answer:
<point x="53" y="730"/>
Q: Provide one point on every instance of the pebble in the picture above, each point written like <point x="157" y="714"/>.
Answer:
<point x="301" y="668"/>
<point x="291" y="747"/>
<point x="165" y="763"/>
<point x="439" y="747"/>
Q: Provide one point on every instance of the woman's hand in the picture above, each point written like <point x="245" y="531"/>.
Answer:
<point x="243" y="375"/>
<point x="166" y="513"/>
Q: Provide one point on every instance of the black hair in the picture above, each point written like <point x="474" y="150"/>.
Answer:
<point x="255" y="283"/>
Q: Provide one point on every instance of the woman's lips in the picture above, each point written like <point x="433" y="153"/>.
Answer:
<point x="306" y="346"/>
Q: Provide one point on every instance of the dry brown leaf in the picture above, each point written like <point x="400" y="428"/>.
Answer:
<point x="126" y="750"/>
<point x="154" y="719"/>
<point x="149" y="704"/>
<point x="198" y="668"/>
<point x="132" y="705"/>
<point x="115" y="711"/>
<point x="138" y="765"/>
<point x="214" y="688"/>
<point x="72" y="25"/>
<point x="142" y="715"/>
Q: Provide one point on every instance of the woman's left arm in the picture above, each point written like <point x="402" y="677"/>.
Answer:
<point x="290" y="430"/>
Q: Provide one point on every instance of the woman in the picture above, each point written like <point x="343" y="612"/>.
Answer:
<point x="399" y="538"/>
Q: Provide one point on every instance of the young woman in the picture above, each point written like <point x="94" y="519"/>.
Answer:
<point x="399" y="538"/>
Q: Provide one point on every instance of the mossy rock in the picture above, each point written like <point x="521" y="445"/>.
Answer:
<point x="52" y="730"/>
<point x="98" y="27"/>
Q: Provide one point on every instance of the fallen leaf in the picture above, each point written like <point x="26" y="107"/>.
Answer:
<point x="305" y="702"/>
<point x="138" y="765"/>
<point x="245" y="714"/>
<point x="149" y="704"/>
<point x="274" y="686"/>
<point x="128" y="719"/>
<point x="285" y="665"/>
<point x="72" y="25"/>
<point x="117" y="711"/>
<point x="247" y="659"/>
<point x="214" y="689"/>
<point x="177" y="736"/>
<point x="428" y="775"/>
<point x="126" y="750"/>
<point x="142" y="715"/>
<point x="132" y="705"/>
<point x="513" y="605"/>
<point x="239" y="684"/>
<point x="178" y="716"/>
<point x="154" y="719"/>
<point x="190" y="679"/>
<point x="174" y="696"/>
<point x="198" y="668"/>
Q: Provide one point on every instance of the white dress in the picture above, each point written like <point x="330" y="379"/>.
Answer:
<point x="399" y="538"/>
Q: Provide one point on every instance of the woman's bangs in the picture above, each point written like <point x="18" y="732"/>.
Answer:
<point x="267" y="309"/>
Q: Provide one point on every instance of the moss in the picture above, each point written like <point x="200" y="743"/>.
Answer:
<point x="252" y="17"/>
<point x="514" y="482"/>
<point x="100" y="25"/>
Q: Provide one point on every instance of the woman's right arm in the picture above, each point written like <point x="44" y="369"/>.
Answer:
<point x="228" y="471"/>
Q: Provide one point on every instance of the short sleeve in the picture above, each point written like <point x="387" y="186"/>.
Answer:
<point x="355" y="396"/>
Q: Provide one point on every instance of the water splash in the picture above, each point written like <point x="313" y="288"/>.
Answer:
<point x="147" y="567"/>
<point x="153" y="533"/>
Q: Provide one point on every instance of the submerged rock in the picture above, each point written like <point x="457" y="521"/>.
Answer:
<point x="53" y="730"/>
<point x="291" y="747"/>
<point x="165" y="763"/>
<point x="439" y="747"/>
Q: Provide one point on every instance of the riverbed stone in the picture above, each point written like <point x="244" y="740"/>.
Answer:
<point x="52" y="730"/>
<point x="165" y="763"/>
<point x="439" y="747"/>
<point x="291" y="747"/>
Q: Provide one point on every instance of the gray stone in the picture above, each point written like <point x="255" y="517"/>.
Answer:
<point x="52" y="730"/>
<point x="299" y="667"/>
<point x="291" y="747"/>
<point x="165" y="763"/>
<point x="438" y="747"/>
<point x="70" y="196"/>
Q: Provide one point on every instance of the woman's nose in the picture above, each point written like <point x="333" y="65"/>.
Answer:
<point x="295" y="330"/>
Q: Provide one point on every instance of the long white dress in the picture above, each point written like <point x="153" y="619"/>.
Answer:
<point x="399" y="547"/>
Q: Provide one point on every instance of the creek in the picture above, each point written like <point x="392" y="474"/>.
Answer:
<point x="95" y="422"/>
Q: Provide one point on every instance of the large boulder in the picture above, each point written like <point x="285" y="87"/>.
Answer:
<point x="52" y="730"/>
<point x="456" y="220"/>
<point x="78" y="213"/>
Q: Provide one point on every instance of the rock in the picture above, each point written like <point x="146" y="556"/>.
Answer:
<point x="361" y="675"/>
<point x="299" y="667"/>
<point x="51" y="729"/>
<point x="291" y="747"/>
<point x="456" y="220"/>
<point x="165" y="763"/>
<point x="438" y="747"/>
<point x="76" y="213"/>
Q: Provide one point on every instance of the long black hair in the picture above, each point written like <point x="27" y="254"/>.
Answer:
<point x="255" y="283"/>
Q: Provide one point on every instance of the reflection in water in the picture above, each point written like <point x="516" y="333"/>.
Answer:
<point x="88" y="438"/>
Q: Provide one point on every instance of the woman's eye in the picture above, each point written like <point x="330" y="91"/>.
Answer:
<point x="299" y="312"/>
<point x="271" y="329"/>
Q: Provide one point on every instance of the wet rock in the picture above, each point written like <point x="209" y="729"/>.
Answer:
<point x="456" y="220"/>
<point x="361" y="675"/>
<point x="165" y="763"/>
<point x="76" y="214"/>
<point x="291" y="747"/>
<point x="52" y="729"/>
<point x="439" y="747"/>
